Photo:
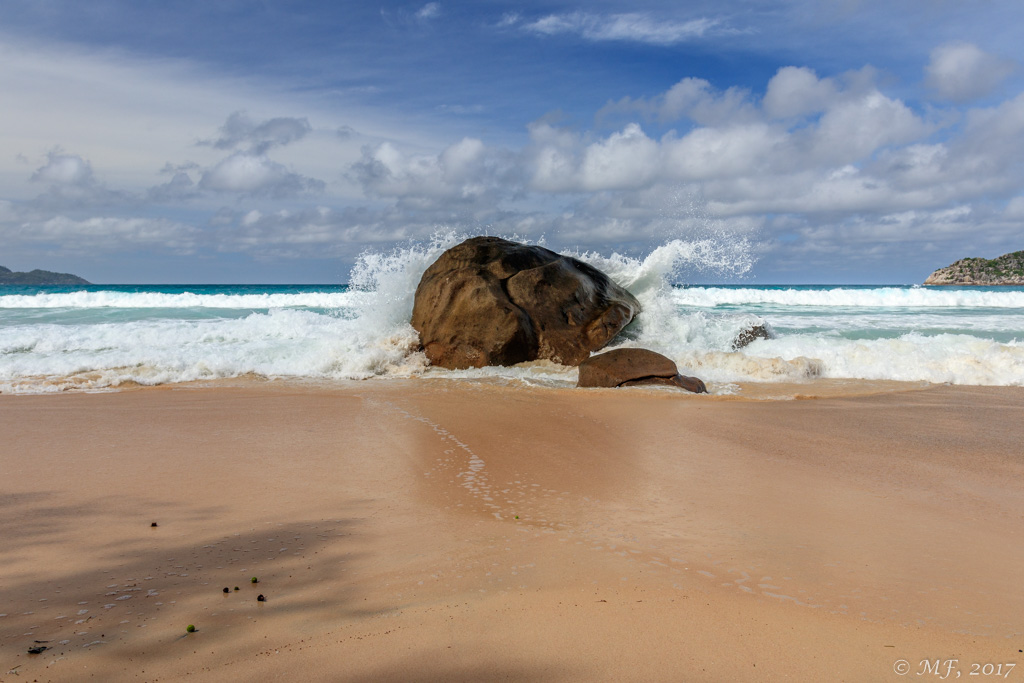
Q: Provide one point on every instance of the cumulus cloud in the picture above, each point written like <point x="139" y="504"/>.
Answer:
<point x="694" y="99"/>
<point x="853" y="129"/>
<point x="962" y="71"/>
<point x="560" y="162"/>
<point x="248" y="170"/>
<point x="255" y="174"/>
<point x="70" y="182"/>
<point x="632" y="26"/>
<point x="797" y="91"/>
<point x="64" y="169"/>
<point x="804" y="125"/>
<point x="466" y="172"/>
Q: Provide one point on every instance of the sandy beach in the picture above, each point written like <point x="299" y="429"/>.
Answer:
<point x="427" y="530"/>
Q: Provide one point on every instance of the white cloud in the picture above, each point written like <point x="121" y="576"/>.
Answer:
<point x="962" y="71"/>
<point x="509" y="19"/>
<point x="633" y="26"/>
<point x="466" y="172"/>
<point x="70" y="182"/>
<point x="735" y="151"/>
<point x="430" y="10"/>
<point x="257" y="175"/>
<point x="695" y="99"/>
<point x="797" y="91"/>
<point x="64" y="169"/>
<point x="995" y="134"/>
<point x="854" y="129"/>
<point x="628" y="159"/>
<point x="734" y="141"/>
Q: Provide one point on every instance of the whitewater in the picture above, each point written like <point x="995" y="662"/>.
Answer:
<point x="105" y="337"/>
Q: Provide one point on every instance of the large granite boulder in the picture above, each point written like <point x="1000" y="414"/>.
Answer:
<point x="490" y="301"/>
<point x="631" y="367"/>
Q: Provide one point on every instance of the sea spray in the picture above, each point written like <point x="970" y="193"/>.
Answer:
<point x="663" y="326"/>
<point x="387" y="281"/>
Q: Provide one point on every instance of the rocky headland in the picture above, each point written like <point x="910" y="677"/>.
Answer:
<point x="39" y="277"/>
<point x="1007" y="269"/>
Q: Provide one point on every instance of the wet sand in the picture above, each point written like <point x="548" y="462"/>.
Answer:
<point x="428" y="530"/>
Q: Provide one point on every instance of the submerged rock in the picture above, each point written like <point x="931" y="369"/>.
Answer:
<point x="490" y="301"/>
<point x="749" y="334"/>
<point x="632" y="367"/>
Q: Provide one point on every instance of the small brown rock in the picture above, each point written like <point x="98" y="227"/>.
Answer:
<point x="633" y="367"/>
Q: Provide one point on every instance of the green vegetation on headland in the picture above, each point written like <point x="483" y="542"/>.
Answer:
<point x="39" y="277"/>
<point x="1008" y="269"/>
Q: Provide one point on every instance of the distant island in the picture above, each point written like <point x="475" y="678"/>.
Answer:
<point x="39" y="277"/>
<point x="1008" y="269"/>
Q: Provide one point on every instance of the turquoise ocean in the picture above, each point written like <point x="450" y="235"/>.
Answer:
<point x="102" y="337"/>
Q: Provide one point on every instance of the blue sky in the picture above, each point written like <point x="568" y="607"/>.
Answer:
<point x="274" y="141"/>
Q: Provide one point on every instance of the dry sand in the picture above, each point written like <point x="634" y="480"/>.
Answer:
<point x="428" y="530"/>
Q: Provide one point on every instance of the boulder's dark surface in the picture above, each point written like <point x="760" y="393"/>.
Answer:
<point x="490" y="301"/>
<point x="751" y="333"/>
<point x="39" y="277"/>
<point x="632" y="367"/>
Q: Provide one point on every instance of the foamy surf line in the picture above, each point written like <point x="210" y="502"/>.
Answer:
<point x="115" y="299"/>
<point x="881" y="297"/>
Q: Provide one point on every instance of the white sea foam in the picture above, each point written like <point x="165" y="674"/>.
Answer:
<point x="98" y="339"/>
<point x="880" y="297"/>
<point x="118" y="299"/>
<point x="280" y="343"/>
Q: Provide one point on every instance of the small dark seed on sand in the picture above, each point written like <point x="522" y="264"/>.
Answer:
<point x="260" y="598"/>
<point x="154" y="524"/>
<point x="226" y="589"/>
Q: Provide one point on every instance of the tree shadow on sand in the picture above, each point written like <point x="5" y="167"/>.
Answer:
<point x="128" y="600"/>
